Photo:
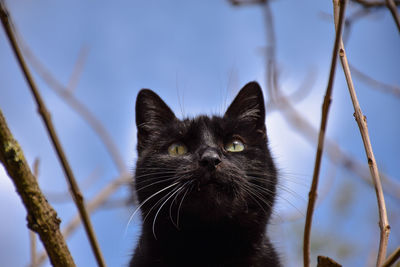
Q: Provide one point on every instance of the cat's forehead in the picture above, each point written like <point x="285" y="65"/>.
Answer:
<point x="203" y="129"/>
<point x="202" y="123"/>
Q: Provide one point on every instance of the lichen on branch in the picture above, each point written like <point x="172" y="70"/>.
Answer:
<point x="41" y="217"/>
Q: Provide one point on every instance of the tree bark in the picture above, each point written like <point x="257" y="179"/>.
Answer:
<point x="42" y="218"/>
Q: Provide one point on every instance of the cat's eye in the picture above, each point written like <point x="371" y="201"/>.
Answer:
<point x="235" y="146"/>
<point x="177" y="149"/>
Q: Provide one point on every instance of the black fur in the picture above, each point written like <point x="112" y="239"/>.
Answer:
<point x="212" y="206"/>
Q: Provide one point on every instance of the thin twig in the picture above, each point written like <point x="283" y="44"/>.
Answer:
<point x="77" y="195"/>
<point x="41" y="217"/>
<point x="392" y="258"/>
<point x="393" y="10"/>
<point x="324" y="119"/>
<point x="362" y="124"/>
<point x="281" y="103"/>
<point x="333" y="150"/>
<point x="92" y="205"/>
<point x="278" y="101"/>
<point x="294" y="118"/>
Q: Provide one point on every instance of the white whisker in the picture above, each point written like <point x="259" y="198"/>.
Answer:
<point x="158" y="211"/>
<point x="144" y="202"/>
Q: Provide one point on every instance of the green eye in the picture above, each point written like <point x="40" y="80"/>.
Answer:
<point x="177" y="149"/>
<point x="235" y="146"/>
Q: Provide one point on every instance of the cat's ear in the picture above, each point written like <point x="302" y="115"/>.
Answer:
<point x="248" y="105"/>
<point x="151" y="114"/>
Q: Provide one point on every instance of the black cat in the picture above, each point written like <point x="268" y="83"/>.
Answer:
<point x="206" y="186"/>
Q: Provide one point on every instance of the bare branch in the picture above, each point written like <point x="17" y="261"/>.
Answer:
<point x="281" y="103"/>
<point x="362" y="124"/>
<point x="392" y="258"/>
<point x="333" y="150"/>
<point x="42" y="218"/>
<point x="312" y="196"/>
<point x="94" y="204"/>
<point x="78" y="197"/>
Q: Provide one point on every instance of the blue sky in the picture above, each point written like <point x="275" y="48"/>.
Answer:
<point x="197" y="55"/>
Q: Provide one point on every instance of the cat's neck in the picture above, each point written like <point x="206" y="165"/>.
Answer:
<point x="225" y="242"/>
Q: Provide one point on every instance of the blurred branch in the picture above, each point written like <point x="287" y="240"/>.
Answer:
<point x="59" y="197"/>
<point x="305" y="87"/>
<point x="333" y="150"/>
<point x="386" y="88"/>
<point x="115" y="203"/>
<point x="78" y="197"/>
<point x="302" y="91"/>
<point x="272" y="72"/>
<point x="324" y="119"/>
<point x="246" y="2"/>
<point x="98" y="201"/>
<point x="362" y="124"/>
<point x="79" y="107"/>
<point x="281" y="103"/>
<point x="351" y="19"/>
<point x="390" y="4"/>
<point x="393" y="10"/>
<point x="32" y="245"/>
<point x="392" y="258"/>
<point x="77" y="70"/>
<point x="42" y="218"/>
<point x="372" y="4"/>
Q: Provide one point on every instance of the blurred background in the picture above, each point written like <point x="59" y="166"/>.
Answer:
<point x="90" y="59"/>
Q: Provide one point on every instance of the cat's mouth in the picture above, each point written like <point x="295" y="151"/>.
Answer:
<point x="208" y="179"/>
<point x="213" y="184"/>
<point x="207" y="184"/>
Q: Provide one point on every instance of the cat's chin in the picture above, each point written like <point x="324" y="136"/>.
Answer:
<point x="211" y="202"/>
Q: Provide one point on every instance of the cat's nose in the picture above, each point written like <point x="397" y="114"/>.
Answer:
<point x="210" y="158"/>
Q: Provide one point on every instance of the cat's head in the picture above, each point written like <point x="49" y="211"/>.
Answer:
<point x="208" y="168"/>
